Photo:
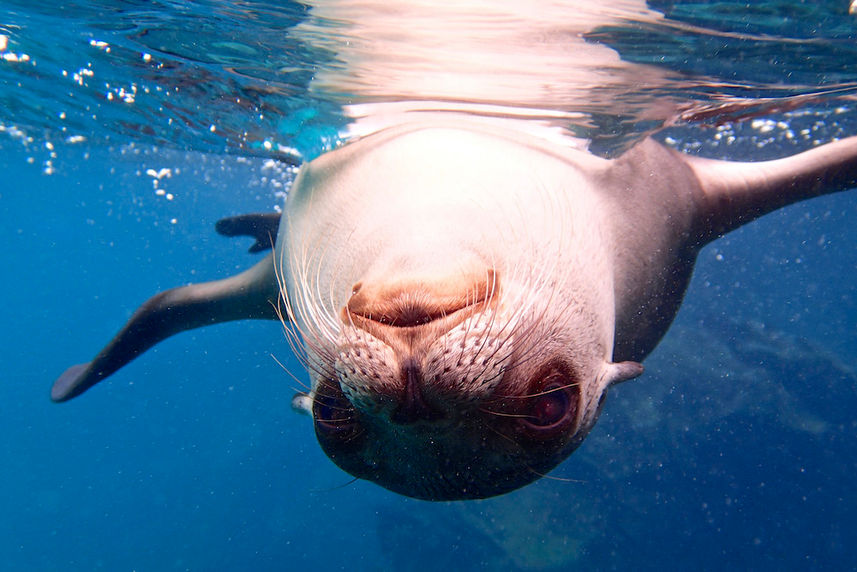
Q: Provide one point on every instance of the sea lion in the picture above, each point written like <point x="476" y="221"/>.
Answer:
<point x="466" y="294"/>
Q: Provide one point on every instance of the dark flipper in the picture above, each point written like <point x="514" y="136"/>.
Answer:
<point x="262" y="227"/>
<point x="736" y="193"/>
<point x="251" y="294"/>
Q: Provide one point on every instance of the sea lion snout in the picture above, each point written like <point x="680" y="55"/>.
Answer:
<point x="392" y="334"/>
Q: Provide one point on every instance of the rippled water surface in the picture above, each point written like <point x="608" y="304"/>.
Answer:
<point x="250" y="77"/>
<point x="128" y="128"/>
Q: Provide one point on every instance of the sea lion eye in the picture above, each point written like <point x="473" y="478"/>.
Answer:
<point x="552" y="409"/>
<point x="549" y="408"/>
<point x="333" y="413"/>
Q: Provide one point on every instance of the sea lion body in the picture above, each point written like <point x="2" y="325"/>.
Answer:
<point x="466" y="293"/>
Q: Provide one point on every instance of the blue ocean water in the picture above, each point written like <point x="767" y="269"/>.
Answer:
<point x="736" y="449"/>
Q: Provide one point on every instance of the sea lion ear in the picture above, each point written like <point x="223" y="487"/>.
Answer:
<point x="302" y="403"/>
<point x="622" y="371"/>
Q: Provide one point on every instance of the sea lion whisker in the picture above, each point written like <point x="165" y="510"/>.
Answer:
<point x="292" y="312"/>
<point x="291" y="335"/>
<point x="501" y="371"/>
<point x="327" y="320"/>
<point x="357" y="432"/>
<point x="525" y="328"/>
<point x="312" y="316"/>
<point x="310" y="354"/>
<point x="303" y="347"/>
<point x="505" y="437"/>
<point x="501" y="341"/>
<point x="307" y="314"/>
<point x="302" y="385"/>
<point x="327" y="387"/>
<point x="309" y="345"/>
<point x="535" y="286"/>
<point x="337" y="487"/>
<point x="554" y="478"/>
<point x="504" y="414"/>
<point x="345" y="420"/>
<point x="492" y="362"/>
<point x="492" y="316"/>
<point x="540" y="393"/>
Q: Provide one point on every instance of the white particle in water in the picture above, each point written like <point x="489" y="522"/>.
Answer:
<point x="160" y="174"/>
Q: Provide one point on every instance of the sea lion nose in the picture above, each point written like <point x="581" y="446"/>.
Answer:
<point x="413" y="406"/>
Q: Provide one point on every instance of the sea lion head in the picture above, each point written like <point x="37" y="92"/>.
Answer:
<point x="466" y="387"/>
<point x="456" y="307"/>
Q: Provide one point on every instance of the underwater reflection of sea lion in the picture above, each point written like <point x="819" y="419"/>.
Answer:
<point x="466" y="294"/>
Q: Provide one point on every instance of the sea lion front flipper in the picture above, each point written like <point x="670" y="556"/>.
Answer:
<point x="251" y="294"/>
<point x="263" y="227"/>
<point x="734" y="193"/>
